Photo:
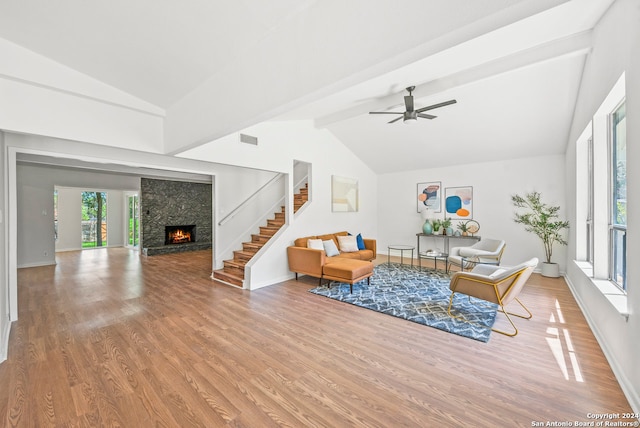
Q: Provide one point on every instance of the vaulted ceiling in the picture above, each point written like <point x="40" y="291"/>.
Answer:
<point x="214" y="68"/>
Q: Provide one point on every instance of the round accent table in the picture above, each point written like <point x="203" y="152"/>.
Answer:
<point x="402" y="249"/>
<point x="435" y="255"/>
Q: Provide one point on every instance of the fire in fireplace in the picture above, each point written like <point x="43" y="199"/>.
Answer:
<point x="180" y="234"/>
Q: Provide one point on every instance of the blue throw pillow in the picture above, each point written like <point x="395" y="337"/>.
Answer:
<point x="360" y="242"/>
<point x="330" y="248"/>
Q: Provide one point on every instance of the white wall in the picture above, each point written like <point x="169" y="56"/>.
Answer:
<point x="493" y="184"/>
<point x="36" y="244"/>
<point x="40" y="96"/>
<point x="280" y="143"/>
<point x="70" y="217"/>
<point x="615" y="50"/>
<point x="35" y="220"/>
<point x="5" y="323"/>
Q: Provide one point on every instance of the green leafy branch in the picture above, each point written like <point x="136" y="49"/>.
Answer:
<point x="542" y="220"/>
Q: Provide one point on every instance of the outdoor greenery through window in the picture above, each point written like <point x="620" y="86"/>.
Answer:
<point x="94" y="219"/>
<point x="619" y="196"/>
<point x="133" y="233"/>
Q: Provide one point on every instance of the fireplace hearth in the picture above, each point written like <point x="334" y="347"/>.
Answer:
<point x="180" y="234"/>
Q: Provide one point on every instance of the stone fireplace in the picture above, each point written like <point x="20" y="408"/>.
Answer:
<point x="175" y="216"/>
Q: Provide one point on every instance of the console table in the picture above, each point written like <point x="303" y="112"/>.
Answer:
<point x="445" y="238"/>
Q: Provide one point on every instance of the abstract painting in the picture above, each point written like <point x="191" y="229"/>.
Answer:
<point x="430" y="196"/>
<point x="459" y="202"/>
<point x="344" y="194"/>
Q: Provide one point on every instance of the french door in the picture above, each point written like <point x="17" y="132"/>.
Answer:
<point x="94" y="219"/>
<point x="133" y="220"/>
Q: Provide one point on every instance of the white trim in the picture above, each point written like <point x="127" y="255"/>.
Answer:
<point x="4" y="340"/>
<point x="625" y="384"/>
<point x="37" y="264"/>
<point x="12" y="223"/>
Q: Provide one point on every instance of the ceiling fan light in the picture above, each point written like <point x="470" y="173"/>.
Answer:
<point x="410" y="117"/>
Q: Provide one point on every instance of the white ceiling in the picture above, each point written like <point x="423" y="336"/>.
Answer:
<point x="515" y="84"/>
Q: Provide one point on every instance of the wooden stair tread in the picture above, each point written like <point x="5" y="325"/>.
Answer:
<point x="233" y="270"/>
<point x="228" y="277"/>
<point x="243" y="255"/>
<point x="252" y="246"/>
<point x="237" y="263"/>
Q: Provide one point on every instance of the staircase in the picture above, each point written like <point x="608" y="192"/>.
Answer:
<point x="233" y="270"/>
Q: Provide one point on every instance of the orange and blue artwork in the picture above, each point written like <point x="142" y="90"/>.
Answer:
<point x="459" y="202"/>
<point x="429" y="196"/>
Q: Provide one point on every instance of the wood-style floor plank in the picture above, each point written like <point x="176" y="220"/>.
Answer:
<point x="108" y="338"/>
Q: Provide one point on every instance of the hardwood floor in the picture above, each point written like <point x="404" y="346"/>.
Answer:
<point x="107" y="338"/>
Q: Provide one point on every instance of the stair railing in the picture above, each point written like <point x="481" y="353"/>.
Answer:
<point x="254" y="227"/>
<point x="236" y="244"/>
<point x="300" y="184"/>
<point x="244" y="203"/>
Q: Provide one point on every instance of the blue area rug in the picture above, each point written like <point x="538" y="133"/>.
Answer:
<point x="421" y="296"/>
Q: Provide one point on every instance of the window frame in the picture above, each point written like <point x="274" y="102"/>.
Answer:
<point x="614" y="227"/>
<point x="590" y="201"/>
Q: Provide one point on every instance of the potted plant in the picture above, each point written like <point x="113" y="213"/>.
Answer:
<point x="542" y="220"/>
<point x="462" y="227"/>
<point x="446" y="226"/>
<point x="436" y="223"/>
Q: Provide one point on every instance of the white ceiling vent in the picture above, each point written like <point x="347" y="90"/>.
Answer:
<point x="248" y="139"/>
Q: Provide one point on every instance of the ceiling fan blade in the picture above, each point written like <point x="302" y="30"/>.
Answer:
<point x="408" y="102"/>
<point x="397" y="119"/>
<point x="426" y="116"/>
<point x="446" y="103"/>
<point x="385" y="112"/>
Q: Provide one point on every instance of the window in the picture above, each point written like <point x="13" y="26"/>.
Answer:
<point x="618" y="168"/>
<point x="601" y="196"/>
<point x="133" y="220"/>
<point x="94" y="219"/>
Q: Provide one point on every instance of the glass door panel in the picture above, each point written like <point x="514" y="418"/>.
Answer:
<point x="133" y="220"/>
<point x="94" y="219"/>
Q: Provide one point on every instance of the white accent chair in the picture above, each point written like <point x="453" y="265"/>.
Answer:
<point x="485" y="251"/>
<point x="499" y="285"/>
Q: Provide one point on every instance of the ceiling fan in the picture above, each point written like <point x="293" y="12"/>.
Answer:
<point x="411" y="115"/>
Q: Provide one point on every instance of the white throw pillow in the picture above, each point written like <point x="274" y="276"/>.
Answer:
<point x="315" y="244"/>
<point x="330" y="248"/>
<point x="348" y="244"/>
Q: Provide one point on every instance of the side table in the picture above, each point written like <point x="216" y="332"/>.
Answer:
<point x="402" y="249"/>
<point x="435" y="256"/>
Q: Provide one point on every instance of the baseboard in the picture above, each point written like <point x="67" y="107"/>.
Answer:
<point x="4" y="340"/>
<point x="272" y="282"/>
<point x="37" y="264"/>
<point x="627" y="387"/>
<point x="63" y="250"/>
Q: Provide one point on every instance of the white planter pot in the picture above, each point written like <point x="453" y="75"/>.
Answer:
<point x="551" y="270"/>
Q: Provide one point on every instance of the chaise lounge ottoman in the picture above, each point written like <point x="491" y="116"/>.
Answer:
<point x="349" y="271"/>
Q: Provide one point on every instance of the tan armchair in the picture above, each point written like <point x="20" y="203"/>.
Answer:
<point x="485" y="251"/>
<point x="494" y="284"/>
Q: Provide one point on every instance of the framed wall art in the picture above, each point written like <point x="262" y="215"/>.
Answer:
<point x="430" y="196"/>
<point x="344" y="194"/>
<point x="459" y="202"/>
